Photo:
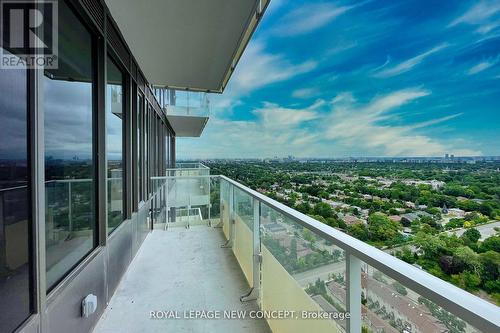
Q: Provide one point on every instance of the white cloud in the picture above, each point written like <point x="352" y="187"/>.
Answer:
<point x="275" y="130"/>
<point x="340" y="127"/>
<point x="483" y="65"/>
<point x="483" y="14"/>
<point x="256" y="69"/>
<point x="407" y="65"/>
<point x="272" y="116"/>
<point x="304" y="92"/>
<point x="363" y="128"/>
<point x="435" y="121"/>
<point x="344" y="97"/>
<point x="259" y="68"/>
<point x="309" y="17"/>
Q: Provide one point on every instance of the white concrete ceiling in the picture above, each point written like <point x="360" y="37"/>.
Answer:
<point x="186" y="43"/>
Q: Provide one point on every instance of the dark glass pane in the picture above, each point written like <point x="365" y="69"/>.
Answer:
<point x="140" y="113"/>
<point x="69" y="164"/>
<point x="114" y="145"/>
<point x="146" y="152"/>
<point x="15" y="301"/>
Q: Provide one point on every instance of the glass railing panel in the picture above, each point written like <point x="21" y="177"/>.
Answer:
<point x="301" y="272"/>
<point x="186" y="103"/>
<point x="181" y="200"/>
<point x="188" y="172"/>
<point x="224" y="208"/>
<point x="158" y="201"/>
<point x="215" y="200"/>
<point x="243" y="207"/>
<point x="243" y="231"/>
<point x="390" y="306"/>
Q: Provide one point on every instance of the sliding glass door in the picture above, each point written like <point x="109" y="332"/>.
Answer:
<point x="70" y="166"/>
<point x="15" y="222"/>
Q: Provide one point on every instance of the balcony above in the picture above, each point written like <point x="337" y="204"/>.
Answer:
<point x="187" y="111"/>
<point x="190" y="43"/>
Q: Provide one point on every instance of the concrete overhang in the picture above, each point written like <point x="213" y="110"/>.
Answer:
<point x="187" y="126"/>
<point x="187" y="44"/>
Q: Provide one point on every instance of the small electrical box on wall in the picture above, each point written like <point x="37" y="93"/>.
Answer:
<point x="89" y="305"/>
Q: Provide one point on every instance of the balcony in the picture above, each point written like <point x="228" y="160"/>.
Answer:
<point x="244" y="251"/>
<point x="187" y="111"/>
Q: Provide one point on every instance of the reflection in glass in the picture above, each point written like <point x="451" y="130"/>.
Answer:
<point x="114" y="145"/>
<point x="243" y="207"/>
<point x="312" y="262"/>
<point x="140" y="145"/>
<point x="396" y="308"/>
<point x="15" y="301"/>
<point x="69" y="163"/>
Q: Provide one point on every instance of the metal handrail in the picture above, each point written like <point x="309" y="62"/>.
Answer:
<point x="470" y="308"/>
<point x="179" y="166"/>
<point x="13" y="188"/>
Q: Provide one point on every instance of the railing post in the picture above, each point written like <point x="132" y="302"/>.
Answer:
<point x="70" y="210"/>
<point x="253" y="294"/>
<point x="188" y="212"/>
<point x="353" y="300"/>
<point x="209" y="201"/>
<point x="166" y="204"/>
<point x="221" y="206"/>
<point x="229" y="242"/>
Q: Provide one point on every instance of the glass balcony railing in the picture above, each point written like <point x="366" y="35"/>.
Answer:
<point x="327" y="280"/>
<point x="188" y="169"/>
<point x="183" y="102"/>
<point x="186" y="196"/>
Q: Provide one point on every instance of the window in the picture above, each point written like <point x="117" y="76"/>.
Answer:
<point x="70" y="220"/>
<point x="146" y="151"/>
<point x="15" y="222"/>
<point x="115" y="125"/>
<point x="140" y="145"/>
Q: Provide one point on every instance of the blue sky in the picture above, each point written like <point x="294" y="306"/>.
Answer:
<point x="362" y="78"/>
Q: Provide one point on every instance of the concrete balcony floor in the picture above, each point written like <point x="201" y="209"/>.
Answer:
<point x="180" y="270"/>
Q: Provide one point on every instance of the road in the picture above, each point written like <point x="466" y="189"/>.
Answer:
<point x="321" y="272"/>
<point x="486" y="230"/>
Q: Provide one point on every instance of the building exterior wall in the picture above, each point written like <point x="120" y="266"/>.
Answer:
<point x="58" y="308"/>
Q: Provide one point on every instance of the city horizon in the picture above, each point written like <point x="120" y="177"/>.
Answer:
<point x="292" y="157"/>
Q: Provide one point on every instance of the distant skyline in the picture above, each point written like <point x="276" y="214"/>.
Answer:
<point x="373" y="78"/>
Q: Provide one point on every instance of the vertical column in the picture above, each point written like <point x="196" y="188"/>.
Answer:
<point x="353" y="283"/>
